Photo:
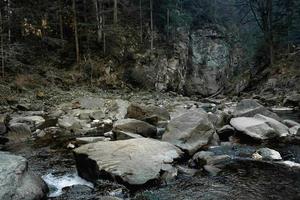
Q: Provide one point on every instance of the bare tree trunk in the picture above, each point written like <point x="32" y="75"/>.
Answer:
<point x="104" y="35"/>
<point x="168" y="23"/>
<point x="2" y="45"/>
<point x="76" y="31"/>
<point x="270" y="31"/>
<point x="151" y="25"/>
<point x="61" y="26"/>
<point x="141" y="22"/>
<point x="8" y="19"/>
<point x="115" y="12"/>
<point x="98" y="9"/>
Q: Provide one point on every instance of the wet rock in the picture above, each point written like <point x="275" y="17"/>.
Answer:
<point x="290" y="123"/>
<point x="219" y="118"/>
<point x="292" y="100"/>
<point x="151" y="114"/>
<point x="32" y="121"/>
<point x="250" y="107"/>
<point x="135" y="126"/>
<point x="233" y="150"/>
<point x="225" y="132"/>
<point x="200" y="159"/>
<point x="87" y="140"/>
<point x="212" y="170"/>
<point x="69" y="123"/>
<point x="295" y="130"/>
<point x="281" y="129"/>
<point x="88" y="114"/>
<point x="122" y="160"/>
<point x="19" y="131"/>
<point x="120" y="135"/>
<point x="186" y="171"/>
<point x="255" y="128"/>
<point x="190" y="131"/>
<point x="17" y="182"/>
<point x="267" y="154"/>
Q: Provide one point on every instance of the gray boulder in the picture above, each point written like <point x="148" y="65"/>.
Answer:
<point x="250" y="107"/>
<point x="151" y="114"/>
<point x="281" y="129"/>
<point x="135" y="126"/>
<point x="19" y="132"/>
<point x="190" y="131"/>
<point x="295" y="130"/>
<point x="17" y="182"/>
<point x="292" y="100"/>
<point x="255" y="128"/>
<point x="290" y="123"/>
<point x="135" y="161"/>
<point x="32" y="121"/>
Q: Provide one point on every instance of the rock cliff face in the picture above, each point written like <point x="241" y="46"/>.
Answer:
<point x="201" y="62"/>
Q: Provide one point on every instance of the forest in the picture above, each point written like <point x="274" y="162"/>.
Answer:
<point x="149" y="99"/>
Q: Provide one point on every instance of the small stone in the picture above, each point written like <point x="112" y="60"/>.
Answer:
<point x="71" y="146"/>
<point x="269" y="154"/>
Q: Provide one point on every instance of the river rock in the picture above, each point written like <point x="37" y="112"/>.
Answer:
<point x="135" y="126"/>
<point x="17" y="182"/>
<point x="290" y="123"/>
<point x="69" y="122"/>
<point x="267" y="154"/>
<point x="295" y="130"/>
<point x="250" y="107"/>
<point x="151" y="114"/>
<point x="255" y="128"/>
<point x="281" y="129"/>
<point x="135" y="161"/>
<point x="88" y="114"/>
<point x="200" y="159"/>
<point x="292" y="100"/>
<point x="190" y="131"/>
<point x="87" y="140"/>
<point x="121" y="135"/>
<point x="32" y="121"/>
<point x="19" y="131"/>
<point x="219" y="118"/>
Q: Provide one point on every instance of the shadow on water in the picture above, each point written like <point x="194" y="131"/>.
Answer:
<point x="245" y="180"/>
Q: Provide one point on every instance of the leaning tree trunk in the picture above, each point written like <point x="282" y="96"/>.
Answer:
<point x="76" y="31"/>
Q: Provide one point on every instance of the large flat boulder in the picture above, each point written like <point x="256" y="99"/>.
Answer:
<point x="250" y="107"/>
<point x="255" y="128"/>
<point x="135" y="161"/>
<point x="17" y="182"/>
<point x="150" y="113"/>
<point x="190" y="131"/>
<point x="281" y="129"/>
<point x="135" y="126"/>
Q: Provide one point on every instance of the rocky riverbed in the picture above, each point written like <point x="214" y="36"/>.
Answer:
<point x="141" y="145"/>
